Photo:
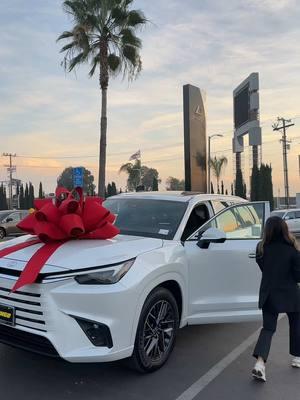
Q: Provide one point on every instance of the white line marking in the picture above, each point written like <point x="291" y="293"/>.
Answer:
<point x="216" y="370"/>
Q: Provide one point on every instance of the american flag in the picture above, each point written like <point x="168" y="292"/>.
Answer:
<point x="135" y="156"/>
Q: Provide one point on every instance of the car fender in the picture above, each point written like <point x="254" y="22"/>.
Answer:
<point x="155" y="282"/>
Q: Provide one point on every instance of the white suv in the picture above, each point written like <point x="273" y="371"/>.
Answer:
<point x="291" y="217"/>
<point x="181" y="259"/>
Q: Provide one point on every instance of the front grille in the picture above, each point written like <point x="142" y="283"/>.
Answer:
<point x="27" y="341"/>
<point x="27" y="304"/>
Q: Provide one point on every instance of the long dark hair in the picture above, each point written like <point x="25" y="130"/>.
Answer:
<point x="276" y="230"/>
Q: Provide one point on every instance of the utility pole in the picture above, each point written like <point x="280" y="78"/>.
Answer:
<point x="11" y="169"/>
<point x="286" y="123"/>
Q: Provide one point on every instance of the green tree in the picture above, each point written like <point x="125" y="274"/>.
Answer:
<point x="266" y="185"/>
<point x="3" y="199"/>
<point x="212" y="191"/>
<point x="103" y="35"/>
<point x="155" y="184"/>
<point x="114" y="189"/>
<point x="41" y="192"/>
<point x="148" y="174"/>
<point x="139" y="175"/>
<point x="31" y="195"/>
<point x="217" y="165"/>
<point x="21" y="198"/>
<point x="175" y="184"/>
<point x="232" y="192"/>
<point x="134" y="172"/>
<point x="108" y="190"/>
<point x="65" y="179"/>
<point x="226" y="192"/>
<point x="255" y="184"/>
<point x="222" y="187"/>
<point x="26" y="197"/>
<point x="239" y="184"/>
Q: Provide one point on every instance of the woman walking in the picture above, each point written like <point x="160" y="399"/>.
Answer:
<point x="279" y="260"/>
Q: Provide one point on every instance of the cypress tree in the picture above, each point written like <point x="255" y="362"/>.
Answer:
<point x="255" y="184"/>
<point x="1" y="197"/>
<point x="239" y="184"/>
<point x="41" y="193"/>
<point x="31" y="195"/>
<point x="226" y="192"/>
<point x="232" y="193"/>
<point x="113" y="189"/>
<point x="222" y="187"/>
<point x="21" y="198"/>
<point x="26" y="197"/>
<point x="212" y="188"/>
<point x="109" y="190"/>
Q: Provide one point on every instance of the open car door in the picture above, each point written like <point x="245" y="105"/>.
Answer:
<point x="223" y="275"/>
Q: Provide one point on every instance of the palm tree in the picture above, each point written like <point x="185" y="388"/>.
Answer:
<point x="134" y="172"/>
<point x="217" y="165"/>
<point x="104" y="36"/>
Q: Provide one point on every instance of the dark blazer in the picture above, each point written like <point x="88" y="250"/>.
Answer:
<point x="280" y="266"/>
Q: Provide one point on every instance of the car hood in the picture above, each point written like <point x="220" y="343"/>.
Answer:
<point x="78" y="254"/>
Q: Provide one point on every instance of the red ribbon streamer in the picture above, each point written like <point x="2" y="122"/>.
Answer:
<point x="55" y="223"/>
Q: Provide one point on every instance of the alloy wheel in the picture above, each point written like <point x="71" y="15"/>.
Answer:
<point x="159" y="330"/>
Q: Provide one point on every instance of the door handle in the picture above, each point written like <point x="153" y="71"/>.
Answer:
<point x="252" y="255"/>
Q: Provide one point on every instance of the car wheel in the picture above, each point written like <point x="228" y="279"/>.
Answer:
<point x="156" y="332"/>
<point x="2" y="233"/>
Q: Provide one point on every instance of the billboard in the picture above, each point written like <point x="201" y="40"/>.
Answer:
<point x="241" y="107"/>
<point x="246" y="113"/>
<point x="195" y="159"/>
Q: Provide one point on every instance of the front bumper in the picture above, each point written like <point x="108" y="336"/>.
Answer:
<point x="46" y="318"/>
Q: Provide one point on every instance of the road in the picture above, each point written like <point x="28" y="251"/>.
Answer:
<point x="208" y="362"/>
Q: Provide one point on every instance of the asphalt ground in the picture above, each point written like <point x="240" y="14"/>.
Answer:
<point x="208" y="362"/>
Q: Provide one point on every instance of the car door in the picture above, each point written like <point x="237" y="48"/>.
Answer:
<point x="11" y="222"/>
<point x="224" y="278"/>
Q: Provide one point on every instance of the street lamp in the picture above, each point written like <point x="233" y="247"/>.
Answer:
<point x="209" y="139"/>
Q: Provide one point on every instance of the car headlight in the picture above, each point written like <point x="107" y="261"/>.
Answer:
<point x="105" y="276"/>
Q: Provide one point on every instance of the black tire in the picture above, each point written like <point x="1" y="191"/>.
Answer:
<point x="2" y="233"/>
<point x="155" y="338"/>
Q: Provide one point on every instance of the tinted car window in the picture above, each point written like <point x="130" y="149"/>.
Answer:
<point x="297" y="214"/>
<point x="147" y="217"/>
<point x="14" y="216"/>
<point x="239" y="222"/>
<point x="291" y="215"/>
<point x="218" y="205"/>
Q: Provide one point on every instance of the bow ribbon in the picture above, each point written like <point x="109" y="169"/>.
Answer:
<point x="69" y="217"/>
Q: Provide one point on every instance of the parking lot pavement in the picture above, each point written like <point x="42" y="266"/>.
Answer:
<point x="197" y="350"/>
<point x="235" y="382"/>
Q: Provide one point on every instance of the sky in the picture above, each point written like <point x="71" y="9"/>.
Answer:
<point x="50" y="119"/>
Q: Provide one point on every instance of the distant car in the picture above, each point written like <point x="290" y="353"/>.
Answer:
<point x="9" y="220"/>
<point x="291" y="217"/>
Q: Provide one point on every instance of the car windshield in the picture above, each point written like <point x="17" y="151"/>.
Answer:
<point x="277" y="213"/>
<point x="4" y="214"/>
<point x="147" y="217"/>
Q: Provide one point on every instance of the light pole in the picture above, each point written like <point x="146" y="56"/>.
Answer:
<point x="209" y="139"/>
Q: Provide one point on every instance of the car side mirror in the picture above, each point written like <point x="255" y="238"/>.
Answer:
<point x="9" y="219"/>
<point x="287" y="217"/>
<point x="211" y="235"/>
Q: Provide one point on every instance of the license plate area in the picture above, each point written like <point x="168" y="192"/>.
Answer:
<point x="7" y="315"/>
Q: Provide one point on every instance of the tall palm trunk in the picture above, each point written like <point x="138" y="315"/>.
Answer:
<point x="103" y="123"/>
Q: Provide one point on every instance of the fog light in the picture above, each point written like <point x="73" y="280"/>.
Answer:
<point x="98" y="334"/>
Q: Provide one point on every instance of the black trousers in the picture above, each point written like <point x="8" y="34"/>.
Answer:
<point x="270" y="317"/>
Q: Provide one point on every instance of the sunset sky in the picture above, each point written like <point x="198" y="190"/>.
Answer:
<point x="51" y="119"/>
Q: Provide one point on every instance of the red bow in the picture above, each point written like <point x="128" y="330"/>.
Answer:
<point x="55" y="223"/>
